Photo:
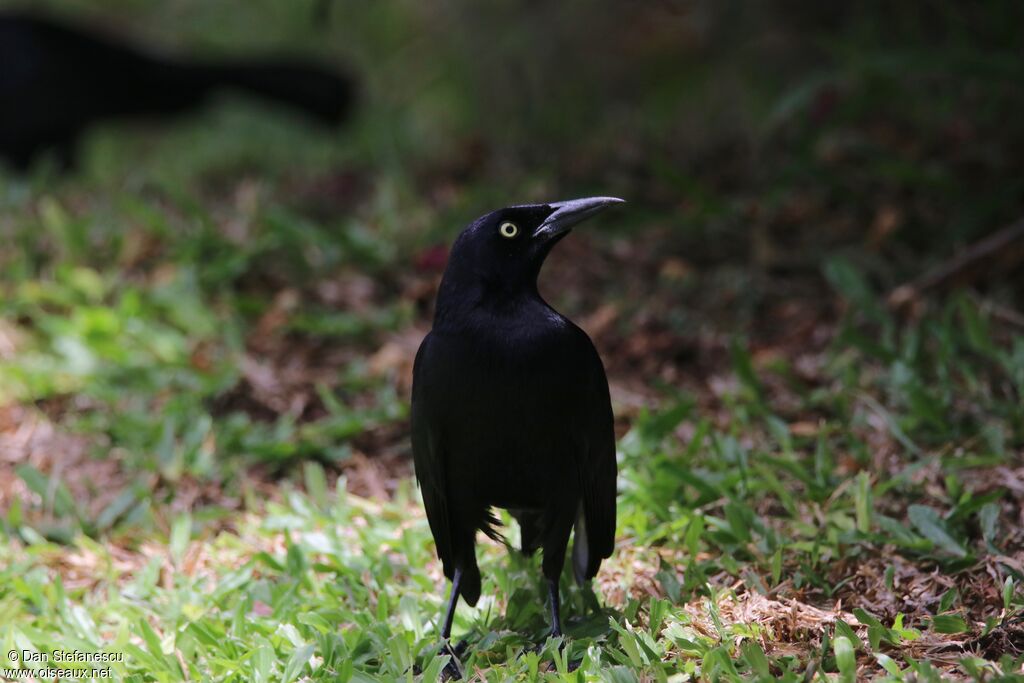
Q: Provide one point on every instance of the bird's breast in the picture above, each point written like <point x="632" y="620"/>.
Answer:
<point x="508" y="419"/>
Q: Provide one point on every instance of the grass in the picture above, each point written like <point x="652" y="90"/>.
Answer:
<point x="205" y="342"/>
<point x="729" y="534"/>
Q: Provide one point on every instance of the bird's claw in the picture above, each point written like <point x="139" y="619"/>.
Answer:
<point x="537" y="648"/>
<point x="452" y="670"/>
<point x="573" y="665"/>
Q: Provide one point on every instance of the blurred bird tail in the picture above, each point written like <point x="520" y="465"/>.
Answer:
<point x="308" y="87"/>
<point x="581" y="568"/>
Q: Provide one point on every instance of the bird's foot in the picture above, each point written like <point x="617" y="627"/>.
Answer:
<point x="453" y="670"/>
<point x="562" y="655"/>
<point x="538" y="648"/>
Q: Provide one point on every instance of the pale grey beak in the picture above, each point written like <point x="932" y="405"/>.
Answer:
<point x="568" y="214"/>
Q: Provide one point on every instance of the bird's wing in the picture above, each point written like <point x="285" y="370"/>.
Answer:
<point x="597" y="469"/>
<point x="428" y="457"/>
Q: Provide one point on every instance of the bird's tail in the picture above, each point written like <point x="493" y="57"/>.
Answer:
<point x="469" y="586"/>
<point x="315" y="90"/>
<point x="581" y="568"/>
<point x="469" y="580"/>
<point x="531" y="529"/>
<point x="490" y="526"/>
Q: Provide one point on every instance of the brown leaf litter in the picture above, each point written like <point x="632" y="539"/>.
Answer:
<point x="28" y="437"/>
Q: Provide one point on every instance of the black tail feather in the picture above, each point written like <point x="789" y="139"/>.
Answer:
<point x="469" y="586"/>
<point x="531" y="529"/>
<point x="584" y="566"/>
<point x="490" y="526"/>
<point x="318" y="91"/>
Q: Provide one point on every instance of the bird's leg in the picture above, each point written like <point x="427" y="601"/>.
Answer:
<point x="453" y="600"/>
<point x="451" y="670"/>
<point x="556" y="617"/>
<point x="556" y="620"/>
<point x="555" y="541"/>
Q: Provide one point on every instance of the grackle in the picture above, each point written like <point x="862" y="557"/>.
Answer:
<point x="56" y="79"/>
<point x="510" y="407"/>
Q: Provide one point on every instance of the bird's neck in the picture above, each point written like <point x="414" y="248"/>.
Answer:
<point x="463" y="304"/>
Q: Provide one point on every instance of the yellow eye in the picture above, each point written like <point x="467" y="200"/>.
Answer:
<point x="508" y="230"/>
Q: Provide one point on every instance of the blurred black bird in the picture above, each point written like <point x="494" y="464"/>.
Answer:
<point x="510" y="407"/>
<point x="56" y="79"/>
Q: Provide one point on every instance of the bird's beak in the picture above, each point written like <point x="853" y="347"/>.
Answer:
<point x="568" y="214"/>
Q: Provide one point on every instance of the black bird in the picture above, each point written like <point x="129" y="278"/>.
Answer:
<point x="56" y="79"/>
<point x="510" y="407"/>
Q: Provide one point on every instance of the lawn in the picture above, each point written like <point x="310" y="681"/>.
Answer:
<point x="207" y="333"/>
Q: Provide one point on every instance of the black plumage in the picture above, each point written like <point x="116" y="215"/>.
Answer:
<point x="510" y="406"/>
<point x="56" y="79"/>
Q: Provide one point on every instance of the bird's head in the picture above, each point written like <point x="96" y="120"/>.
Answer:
<point x="502" y="252"/>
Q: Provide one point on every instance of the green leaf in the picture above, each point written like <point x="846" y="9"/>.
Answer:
<point x="657" y="611"/>
<point x="262" y="661"/>
<point x="694" y="531"/>
<point x="988" y="517"/>
<point x="756" y="659"/>
<point x="316" y="483"/>
<point x="14" y="513"/>
<point x="776" y="566"/>
<point x="116" y="509"/>
<point x="297" y="662"/>
<point x="890" y="666"/>
<point x="866" y="618"/>
<point x="931" y="525"/>
<point x="433" y="670"/>
<point x="845" y="630"/>
<point x="181" y="532"/>
<point x="901" y="631"/>
<point x="718" y="663"/>
<point x="947" y="600"/>
<point x="849" y="282"/>
<point x="863" y="502"/>
<point x="949" y="623"/>
<point x="846" y="659"/>
<point x="876" y="635"/>
<point x="152" y="641"/>
<point x="51" y="490"/>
